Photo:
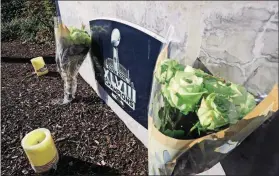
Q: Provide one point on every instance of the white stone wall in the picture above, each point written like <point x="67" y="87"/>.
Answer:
<point x="235" y="40"/>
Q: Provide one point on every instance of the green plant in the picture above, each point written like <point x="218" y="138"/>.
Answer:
<point x="27" y="20"/>
<point x="29" y="28"/>
<point x="11" y="9"/>
<point x="10" y="30"/>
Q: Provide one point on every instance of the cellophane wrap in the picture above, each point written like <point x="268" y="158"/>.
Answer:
<point x="69" y="58"/>
<point x="170" y="156"/>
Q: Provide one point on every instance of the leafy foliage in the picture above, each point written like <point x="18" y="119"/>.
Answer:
<point x="11" y="9"/>
<point x="79" y="36"/>
<point x="30" y="21"/>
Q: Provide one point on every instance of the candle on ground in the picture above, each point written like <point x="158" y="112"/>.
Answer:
<point x="39" y="66"/>
<point x="40" y="150"/>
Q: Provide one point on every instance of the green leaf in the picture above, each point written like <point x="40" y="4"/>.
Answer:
<point x="197" y="72"/>
<point x="174" y="133"/>
<point x="78" y="36"/>
<point x="215" y="85"/>
<point x="159" y="120"/>
<point x="166" y="70"/>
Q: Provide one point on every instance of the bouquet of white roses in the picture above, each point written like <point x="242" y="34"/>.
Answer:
<point x="214" y="101"/>
<point x="196" y="118"/>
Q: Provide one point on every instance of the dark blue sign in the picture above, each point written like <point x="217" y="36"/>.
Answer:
<point x="124" y="59"/>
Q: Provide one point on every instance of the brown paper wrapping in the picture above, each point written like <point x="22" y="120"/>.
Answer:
<point x="169" y="156"/>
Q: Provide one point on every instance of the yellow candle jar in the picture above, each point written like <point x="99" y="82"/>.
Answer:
<point x="40" y="150"/>
<point x="39" y="66"/>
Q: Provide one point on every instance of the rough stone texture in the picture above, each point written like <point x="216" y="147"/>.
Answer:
<point x="239" y="44"/>
<point x="263" y="75"/>
<point x="229" y="37"/>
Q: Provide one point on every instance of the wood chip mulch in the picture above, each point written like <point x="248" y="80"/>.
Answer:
<point x="18" y="48"/>
<point x="90" y="138"/>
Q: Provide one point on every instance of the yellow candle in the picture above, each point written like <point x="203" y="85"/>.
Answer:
<point x="39" y="66"/>
<point x="40" y="150"/>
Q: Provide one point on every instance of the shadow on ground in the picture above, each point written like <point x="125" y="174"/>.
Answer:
<point x="89" y="100"/>
<point x="52" y="74"/>
<point x="68" y="165"/>
<point x="258" y="154"/>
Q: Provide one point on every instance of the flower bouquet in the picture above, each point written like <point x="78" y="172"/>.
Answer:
<point x="196" y="119"/>
<point x="72" y="46"/>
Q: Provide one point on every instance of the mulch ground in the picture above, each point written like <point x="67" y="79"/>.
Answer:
<point x="26" y="50"/>
<point x="90" y="138"/>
